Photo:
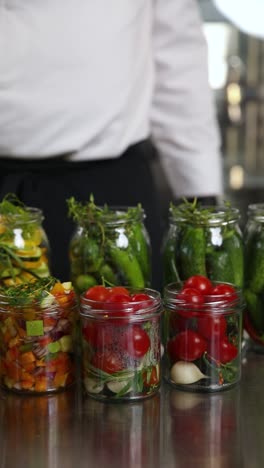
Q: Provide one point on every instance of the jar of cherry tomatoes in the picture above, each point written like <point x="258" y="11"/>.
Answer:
<point x="24" y="246"/>
<point x="37" y="329"/>
<point x="109" y="245"/>
<point x="202" y="334"/>
<point x="120" y="342"/>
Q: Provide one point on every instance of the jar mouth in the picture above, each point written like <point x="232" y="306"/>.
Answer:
<point x="213" y="303"/>
<point x="256" y="210"/>
<point x="102" y="310"/>
<point x="207" y="215"/>
<point x="30" y="215"/>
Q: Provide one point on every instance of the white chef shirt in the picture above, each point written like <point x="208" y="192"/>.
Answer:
<point x="92" y="77"/>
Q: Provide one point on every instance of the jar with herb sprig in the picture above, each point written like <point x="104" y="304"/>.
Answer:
<point x="37" y="333"/>
<point x="24" y="246"/>
<point x="203" y="240"/>
<point x="110" y="245"/>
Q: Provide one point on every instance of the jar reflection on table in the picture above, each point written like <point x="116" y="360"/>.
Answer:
<point x="126" y="435"/>
<point x="204" y="430"/>
<point x="33" y="428"/>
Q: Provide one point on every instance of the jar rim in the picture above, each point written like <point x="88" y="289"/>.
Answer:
<point x="34" y="214"/>
<point x="207" y="215"/>
<point x="98" y="310"/>
<point x="256" y="210"/>
<point x="213" y="304"/>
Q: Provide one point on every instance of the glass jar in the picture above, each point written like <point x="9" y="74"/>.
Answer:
<point x="37" y="326"/>
<point x="254" y="274"/>
<point x="110" y="245"/>
<point x="202" y="342"/>
<point x="121" y="347"/>
<point x="24" y="247"/>
<point x="204" y="240"/>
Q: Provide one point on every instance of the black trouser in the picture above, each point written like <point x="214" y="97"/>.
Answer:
<point x="124" y="181"/>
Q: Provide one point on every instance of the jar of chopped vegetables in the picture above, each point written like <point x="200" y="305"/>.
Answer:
<point x="110" y="245"/>
<point x="203" y="240"/>
<point x="120" y="342"/>
<point x="24" y="246"/>
<point x="37" y="329"/>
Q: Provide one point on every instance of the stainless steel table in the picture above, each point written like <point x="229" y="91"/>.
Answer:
<point x="171" y="429"/>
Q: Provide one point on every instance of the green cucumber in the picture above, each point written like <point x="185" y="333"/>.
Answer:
<point x="255" y="306"/>
<point x="192" y="252"/>
<point x="254" y="259"/>
<point x="127" y="264"/>
<point x="141" y="249"/>
<point x="219" y="266"/>
<point x="233" y="245"/>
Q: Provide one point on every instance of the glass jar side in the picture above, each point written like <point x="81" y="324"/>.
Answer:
<point x="202" y="343"/>
<point x="208" y="244"/>
<point x="254" y="275"/>
<point x="24" y="248"/>
<point x="37" y="345"/>
<point x="121" y="348"/>
<point x="115" y="250"/>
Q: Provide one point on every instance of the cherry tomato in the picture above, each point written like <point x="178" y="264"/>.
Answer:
<point x="98" y="335"/>
<point x="108" y="361"/>
<point x="119" y="290"/>
<point x="136" y="341"/>
<point x="222" y="351"/>
<point x="191" y="296"/>
<point x="150" y="379"/>
<point x="211" y="327"/>
<point x="140" y="301"/>
<point x="187" y="345"/>
<point x="200" y="283"/>
<point x="117" y="298"/>
<point x="225" y="290"/>
<point x="97" y="293"/>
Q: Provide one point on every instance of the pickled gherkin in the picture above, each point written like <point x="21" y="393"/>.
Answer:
<point x="203" y="240"/>
<point x="109" y="246"/>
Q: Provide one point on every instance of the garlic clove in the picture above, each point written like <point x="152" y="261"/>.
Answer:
<point x="92" y="385"/>
<point x="117" y="387"/>
<point x="185" y="373"/>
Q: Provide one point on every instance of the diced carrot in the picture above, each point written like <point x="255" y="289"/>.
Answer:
<point x="14" y="342"/>
<point x="60" y="379"/>
<point x="21" y="332"/>
<point x="26" y="384"/>
<point x="26" y="376"/>
<point x="27" y="357"/>
<point x="57" y="289"/>
<point x="29" y="367"/>
<point x="41" y="384"/>
<point x="40" y="363"/>
<point x="49" y="321"/>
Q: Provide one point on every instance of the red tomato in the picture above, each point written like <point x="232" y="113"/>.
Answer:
<point x="150" y="379"/>
<point x="211" y="327"/>
<point x="191" y="296"/>
<point x="119" y="290"/>
<point x="199" y="282"/>
<point x="222" y="351"/>
<point x="97" y="293"/>
<point x="187" y="345"/>
<point x="117" y="298"/>
<point x="140" y="301"/>
<point x="225" y="290"/>
<point x="108" y="361"/>
<point x="136" y="341"/>
<point x="98" y="335"/>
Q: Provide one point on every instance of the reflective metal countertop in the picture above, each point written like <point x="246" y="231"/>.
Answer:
<point x="171" y="429"/>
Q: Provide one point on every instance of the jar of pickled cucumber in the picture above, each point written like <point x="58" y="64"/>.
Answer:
<point x="37" y="336"/>
<point x="254" y="274"/>
<point x="24" y="246"/>
<point x="110" y="245"/>
<point x="203" y="240"/>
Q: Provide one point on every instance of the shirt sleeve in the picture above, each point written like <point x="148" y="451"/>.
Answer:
<point x="183" y="121"/>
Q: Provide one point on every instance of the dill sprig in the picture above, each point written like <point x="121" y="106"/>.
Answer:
<point x="87" y="213"/>
<point x="26" y="293"/>
<point x="196" y="213"/>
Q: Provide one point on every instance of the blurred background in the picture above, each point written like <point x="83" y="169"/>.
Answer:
<point x="236" y="75"/>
